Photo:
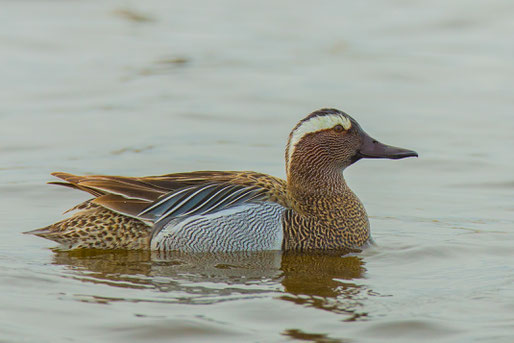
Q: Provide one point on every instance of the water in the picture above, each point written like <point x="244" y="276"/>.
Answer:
<point x="132" y="88"/>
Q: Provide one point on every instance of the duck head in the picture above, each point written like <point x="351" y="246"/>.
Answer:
<point x="330" y="140"/>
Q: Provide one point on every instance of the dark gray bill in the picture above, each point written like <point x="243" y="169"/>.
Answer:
<point x="372" y="148"/>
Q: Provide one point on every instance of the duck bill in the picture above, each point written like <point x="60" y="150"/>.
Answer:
<point x="371" y="148"/>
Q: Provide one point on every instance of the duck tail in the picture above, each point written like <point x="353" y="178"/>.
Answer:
<point x="95" y="227"/>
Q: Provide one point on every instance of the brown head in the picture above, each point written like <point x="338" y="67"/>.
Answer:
<point x="324" y="143"/>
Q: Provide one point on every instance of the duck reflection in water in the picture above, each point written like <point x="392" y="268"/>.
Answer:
<point x="325" y="282"/>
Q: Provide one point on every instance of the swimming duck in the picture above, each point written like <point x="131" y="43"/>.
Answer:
<point x="313" y="210"/>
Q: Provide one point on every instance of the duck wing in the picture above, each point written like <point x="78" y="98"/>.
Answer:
<point x="201" y="199"/>
<point x="161" y="198"/>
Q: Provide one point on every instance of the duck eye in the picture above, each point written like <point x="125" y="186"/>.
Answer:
<point x="338" y="128"/>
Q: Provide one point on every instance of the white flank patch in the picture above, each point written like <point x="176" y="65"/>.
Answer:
<point x="316" y="124"/>
<point x="247" y="227"/>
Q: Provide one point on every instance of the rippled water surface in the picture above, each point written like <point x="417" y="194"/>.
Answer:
<point x="154" y="87"/>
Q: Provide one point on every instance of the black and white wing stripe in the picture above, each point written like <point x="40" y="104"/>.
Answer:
<point x="202" y="199"/>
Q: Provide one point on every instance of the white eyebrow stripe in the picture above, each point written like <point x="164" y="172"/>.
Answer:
<point x="315" y="124"/>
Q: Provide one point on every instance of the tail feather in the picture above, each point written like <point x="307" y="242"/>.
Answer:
<point x="91" y="191"/>
<point x="98" y="228"/>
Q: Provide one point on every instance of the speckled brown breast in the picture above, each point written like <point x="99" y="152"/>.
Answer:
<point x="326" y="224"/>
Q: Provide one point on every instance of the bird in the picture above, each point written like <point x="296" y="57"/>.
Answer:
<point x="312" y="210"/>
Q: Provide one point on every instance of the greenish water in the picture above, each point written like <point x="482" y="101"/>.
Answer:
<point x="127" y="88"/>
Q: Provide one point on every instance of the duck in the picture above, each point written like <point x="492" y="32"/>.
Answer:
<point x="313" y="209"/>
